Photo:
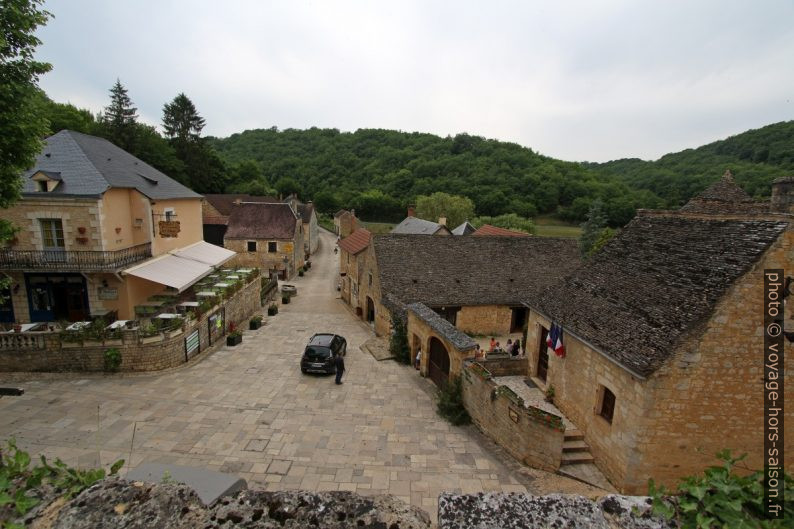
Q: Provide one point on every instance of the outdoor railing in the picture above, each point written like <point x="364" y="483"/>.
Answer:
<point x="73" y="260"/>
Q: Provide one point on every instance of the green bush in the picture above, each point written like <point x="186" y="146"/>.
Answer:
<point x="19" y="481"/>
<point x="112" y="359"/>
<point x="720" y="498"/>
<point x="449" y="402"/>
<point x="398" y="342"/>
<point x="300" y="272"/>
<point x="272" y="310"/>
<point x="285" y="299"/>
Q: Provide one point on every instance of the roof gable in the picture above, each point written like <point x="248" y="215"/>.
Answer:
<point x="487" y="229"/>
<point x="657" y="279"/>
<point x="449" y="271"/>
<point x="417" y="226"/>
<point x="261" y="220"/>
<point x="464" y="229"/>
<point x="89" y="165"/>
<point x="356" y="242"/>
<point x="724" y="196"/>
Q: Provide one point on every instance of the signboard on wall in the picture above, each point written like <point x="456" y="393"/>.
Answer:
<point x="169" y="228"/>
<point x="191" y="345"/>
<point x="108" y="293"/>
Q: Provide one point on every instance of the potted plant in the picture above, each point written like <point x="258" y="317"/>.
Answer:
<point x="300" y="271"/>
<point x="550" y="394"/>
<point x="272" y="310"/>
<point x="255" y="322"/>
<point x="234" y="337"/>
<point x="285" y="299"/>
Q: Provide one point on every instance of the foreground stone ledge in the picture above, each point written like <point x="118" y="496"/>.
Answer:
<point x="524" y="511"/>
<point x="119" y="503"/>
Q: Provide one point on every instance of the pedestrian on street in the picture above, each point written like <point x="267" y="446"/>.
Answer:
<point x="339" y="362"/>
<point x="418" y="360"/>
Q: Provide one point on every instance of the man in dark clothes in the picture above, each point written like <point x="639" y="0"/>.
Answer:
<point x="339" y="362"/>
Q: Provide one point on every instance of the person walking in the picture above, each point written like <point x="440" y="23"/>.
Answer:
<point x="339" y="362"/>
<point x="418" y="360"/>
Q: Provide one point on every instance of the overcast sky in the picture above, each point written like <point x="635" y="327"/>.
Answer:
<point x="578" y="80"/>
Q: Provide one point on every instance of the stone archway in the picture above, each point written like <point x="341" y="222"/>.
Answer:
<point x="438" y="362"/>
<point x="370" y="310"/>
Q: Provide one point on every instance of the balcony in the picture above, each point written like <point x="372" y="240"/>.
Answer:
<point x="63" y="261"/>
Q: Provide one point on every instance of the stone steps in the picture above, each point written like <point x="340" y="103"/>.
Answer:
<point x="574" y="458"/>
<point x="574" y="449"/>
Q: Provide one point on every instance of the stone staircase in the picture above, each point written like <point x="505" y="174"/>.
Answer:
<point x="574" y="449"/>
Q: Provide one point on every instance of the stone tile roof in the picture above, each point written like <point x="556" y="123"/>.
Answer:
<point x="464" y="229"/>
<point x="659" y="278"/>
<point x="356" y="242"/>
<point x="225" y="202"/>
<point x="461" y="341"/>
<point x="305" y="211"/>
<point x="487" y="229"/>
<point x="451" y="271"/>
<point x="724" y="196"/>
<point x="257" y="220"/>
<point x="417" y="226"/>
<point x="341" y="213"/>
<point x="89" y="166"/>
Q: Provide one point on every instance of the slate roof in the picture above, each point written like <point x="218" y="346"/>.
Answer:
<point x="487" y="229"/>
<point x="356" y="242"/>
<point x="464" y="229"/>
<point x="225" y="202"/>
<point x="260" y="220"/>
<point x="461" y="341"/>
<point x="658" y="278"/>
<point x="89" y="166"/>
<point x="306" y="211"/>
<point x="452" y="271"/>
<point x="724" y="196"/>
<point x="416" y="226"/>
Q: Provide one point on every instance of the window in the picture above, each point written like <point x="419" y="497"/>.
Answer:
<point x="52" y="234"/>
<point x="607" y="409"/>
<point x="251" y="246"/>
<point x="170" y="214"/>
<point x="370" y="279"/>
<point x="272" y="247"/>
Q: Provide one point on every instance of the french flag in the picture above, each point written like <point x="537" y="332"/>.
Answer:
<point x="554" y="340"/>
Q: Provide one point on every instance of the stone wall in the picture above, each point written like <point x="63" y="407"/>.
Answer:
<point x="367" y="264"/>
<point x="529" y="434"/>
<point x="74" y="213"/>
<point x="419" y="334"/>
<point x="45" y="352"/>
<point x="492" y="320"/>
<point x="505" y="367"/>
<point x="263" y="259"/>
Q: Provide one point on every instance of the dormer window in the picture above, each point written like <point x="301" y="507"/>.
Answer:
<point x="45" y="181"/>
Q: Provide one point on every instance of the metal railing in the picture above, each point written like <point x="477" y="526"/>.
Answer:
<point x="73" y="260"/>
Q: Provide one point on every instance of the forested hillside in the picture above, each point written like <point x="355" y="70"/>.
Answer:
<point x="755" y="158"/>
<point x="378" y="172"/>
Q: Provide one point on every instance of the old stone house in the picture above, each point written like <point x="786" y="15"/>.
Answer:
<point x="476" y="283"/>
<point x="350" y="248"/>
<point x="266" y="235"/>
<point x="413" y="225"/>
<point x="663" y="359"/>
<point x="345" y="222"/>
<point x="100" y="231"/>
<point x="215" y="211"/>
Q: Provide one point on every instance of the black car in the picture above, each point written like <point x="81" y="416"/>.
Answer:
<point x="318" y="357"/>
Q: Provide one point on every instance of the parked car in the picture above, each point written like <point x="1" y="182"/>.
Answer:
<point x="318" y="357"/>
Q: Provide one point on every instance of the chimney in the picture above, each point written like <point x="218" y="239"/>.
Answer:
<point x="442" y="221"/>
<point x="782" y="200"/>
<point x="411" y="210"/>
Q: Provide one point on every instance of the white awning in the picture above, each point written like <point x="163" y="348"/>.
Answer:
<point x="205" y="252"/>
<point x="172" y="271"/>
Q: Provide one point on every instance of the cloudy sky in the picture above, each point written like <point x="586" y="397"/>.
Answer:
<point x="578" y="80"/>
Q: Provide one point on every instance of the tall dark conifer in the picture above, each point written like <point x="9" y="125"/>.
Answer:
<point x="120" y="117"/>
<point x="181" y="120"/>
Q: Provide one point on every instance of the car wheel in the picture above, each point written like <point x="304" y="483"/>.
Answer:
<point x="303" y="371"/>
<point x="344" y="350"/>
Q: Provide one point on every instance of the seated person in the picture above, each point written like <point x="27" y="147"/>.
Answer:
<point x="516" y="350"/>
<point x="493" y="345"/>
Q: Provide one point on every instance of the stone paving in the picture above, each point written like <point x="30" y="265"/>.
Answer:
<point x="249" y="411"/>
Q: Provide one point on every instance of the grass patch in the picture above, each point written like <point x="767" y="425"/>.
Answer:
<point x="378" y="228"/>
<point x="561" y="230"/>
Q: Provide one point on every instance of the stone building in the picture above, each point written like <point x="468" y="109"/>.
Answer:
<point x="413" y="225"/>
<point x="311" y="229"/>
<point x="487" y="229"/>
<point x="477" y="283"/>
<point x="215" y="211"/>
<point x="100" y="231"/>
<point x="663" y="335"/>
<point x="345" y="222"/>
<point x="266" y="235"/>
<point x="350" y="248"/>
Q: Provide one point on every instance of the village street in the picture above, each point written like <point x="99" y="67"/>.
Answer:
<point x="248" y="411"/>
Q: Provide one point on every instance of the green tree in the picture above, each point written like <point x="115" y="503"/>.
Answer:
<point x="286" y="186"/>
<point x="181" y="120"/>
<point x="120" y="117"/>
<point x="592" y="227"/>
<point x="456" y="209"/>
<point x="509" y="221"/>
<point x="22" y="119"/>
<point x="326" y="202"/>
<point x="398" y="342"/>
<point x="603" y="238"/>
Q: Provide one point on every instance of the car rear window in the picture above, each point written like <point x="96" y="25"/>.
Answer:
<point x="315" y="352"/>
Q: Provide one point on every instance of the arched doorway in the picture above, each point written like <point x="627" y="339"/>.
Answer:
<point x="370" y="310"/>
<point x="438" y="362"/>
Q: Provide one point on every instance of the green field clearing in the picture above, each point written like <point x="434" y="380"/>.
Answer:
<point x="378" y="227"/>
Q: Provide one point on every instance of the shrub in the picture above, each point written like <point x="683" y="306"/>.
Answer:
<point x="256" y="319"/>
<point x="285" y="299"/>
<point x="112" y="359"/>
<point x="300" y="272"/>
<point x="272" y="310"/>
<point x="398" y="342"/>
<point x="721" y="498"/>
<point x="449" y="402"/>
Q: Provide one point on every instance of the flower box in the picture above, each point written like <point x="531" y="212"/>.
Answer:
<point x="254" y="324"/>
<point x="234" y="339"/>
